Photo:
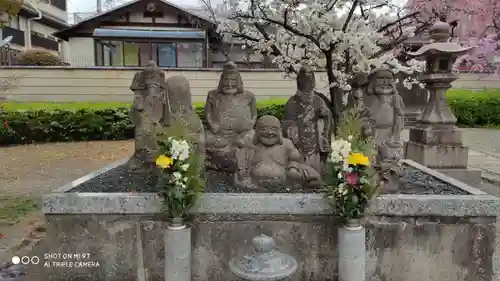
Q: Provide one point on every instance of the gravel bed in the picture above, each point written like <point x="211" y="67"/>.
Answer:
<point x="120" y="180"/>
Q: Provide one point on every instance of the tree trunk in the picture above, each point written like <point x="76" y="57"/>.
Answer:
<point x="335" y="102"/>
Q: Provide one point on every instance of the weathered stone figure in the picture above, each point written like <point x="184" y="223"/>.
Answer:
<point x="385" y="106"/>
<point x="230" y="113"/>
<point x="385" y="115"/>
<point x="148" y="112"/>
<point x="388" y="168"/>
<point x="181" y="110"/>
<point x="308" y="121"/>
<point x="275" y="163"/>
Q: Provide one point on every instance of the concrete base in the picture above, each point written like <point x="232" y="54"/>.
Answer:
<point x="469" y="176"/>
<point x="437" y="147"/>
<point x="437" y="156"/>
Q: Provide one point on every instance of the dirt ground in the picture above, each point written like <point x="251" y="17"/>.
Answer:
<point x="28" y="172"/>
<point x="33" y="170"/>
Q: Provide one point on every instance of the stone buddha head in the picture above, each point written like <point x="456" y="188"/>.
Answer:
<point x="382" y="82"/>
<point x="306" y="82"/>
<point x="153" y="76"/>
<point x="268" y="131"/>
<point x="230" y="80"/>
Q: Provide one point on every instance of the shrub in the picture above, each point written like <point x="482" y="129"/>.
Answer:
<point x="476" y="109"/>
<point x="47" y="122"/>
<point x="38" y="57"/>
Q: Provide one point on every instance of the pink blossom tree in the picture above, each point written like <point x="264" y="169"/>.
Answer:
<point x="474" y="22"/>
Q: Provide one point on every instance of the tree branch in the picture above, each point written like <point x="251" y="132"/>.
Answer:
<point x="349" y="16"/>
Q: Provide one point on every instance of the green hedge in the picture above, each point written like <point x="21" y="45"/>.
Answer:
<point x="476" y="109"/>
<point x="45" y="122"/>
<point x="50" y="122"/>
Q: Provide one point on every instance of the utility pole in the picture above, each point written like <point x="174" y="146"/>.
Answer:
<point x="98" y="6"/>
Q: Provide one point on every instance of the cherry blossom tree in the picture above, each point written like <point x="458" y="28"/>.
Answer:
<point x="474" y="22"/>
<point x="341" y="37"/>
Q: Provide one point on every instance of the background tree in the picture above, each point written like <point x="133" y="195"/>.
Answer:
<point x="342" y="37"/>
<point x="218" y="11"/>
<point x="474" y="22"/>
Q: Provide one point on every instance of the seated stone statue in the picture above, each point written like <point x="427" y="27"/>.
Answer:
<point x="230" y="113"/>
<point x="275" y="162"/>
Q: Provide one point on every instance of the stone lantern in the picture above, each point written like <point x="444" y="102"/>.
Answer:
<point x="435" y="141"/>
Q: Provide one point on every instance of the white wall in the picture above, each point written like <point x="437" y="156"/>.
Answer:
<point x="36" y="26"/>
<point x="42" y="28"/>
<point x="81" y="52"/>
<point x="52" y="10"/>
<point x="112" y="84"/>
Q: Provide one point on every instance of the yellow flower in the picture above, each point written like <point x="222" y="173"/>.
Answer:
<point x="164" y="161"/>
<point x="358" y="159"/>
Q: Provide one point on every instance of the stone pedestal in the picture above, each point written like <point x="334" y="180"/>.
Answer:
<point x="411" y="116"/>
<point x="441" y="148"/>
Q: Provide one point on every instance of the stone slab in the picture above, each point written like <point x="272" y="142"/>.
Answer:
<point x="271" y="204"/>
<point x="437" y="156"/>
<point x="443" y="177"/>
<point x="434" y="136"/>
<point x="470" y="176"/>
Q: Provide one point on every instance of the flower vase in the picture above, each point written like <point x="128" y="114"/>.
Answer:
<point x="352" y="252"/>
<point x="178" y="251"/>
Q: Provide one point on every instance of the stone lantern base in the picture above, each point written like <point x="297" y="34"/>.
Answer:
<point x="441" y="148"/>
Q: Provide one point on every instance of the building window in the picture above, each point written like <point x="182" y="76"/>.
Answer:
<point x="112" y="53"/>
<point x="167" y="55"/>
<point x="61" y="4"/>
<point x="130" y="54"/>
<point x="190" y="55"/>
<point x="145" y="53"/>
<point x="153" y="14"/>
<point x="109" y="53"/>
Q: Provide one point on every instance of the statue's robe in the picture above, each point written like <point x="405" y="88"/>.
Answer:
<point x="308" y="123"/>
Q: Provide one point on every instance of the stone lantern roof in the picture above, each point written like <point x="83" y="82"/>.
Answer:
<point x="439" y="33"/>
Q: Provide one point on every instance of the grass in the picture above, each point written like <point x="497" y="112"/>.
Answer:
<point x="15" y="106"/>
<point x="12" y="210"/>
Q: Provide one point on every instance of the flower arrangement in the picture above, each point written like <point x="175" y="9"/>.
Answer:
<point x="350" y="178"/>
<point x="179" y="181"/>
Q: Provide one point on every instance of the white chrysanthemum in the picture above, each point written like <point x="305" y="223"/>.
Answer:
<point x="180" y="149"/>
<point x="340" y="150"/>
<point x="177" y="176"/>
<point x="185" y="167"/>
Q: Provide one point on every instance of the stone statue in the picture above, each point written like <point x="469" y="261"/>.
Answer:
<point x="148" y="112"/>
<point x="308" y="122"/>
<point x="385" y="107"/>
<point x="384" y="122"/>
<point x="181" y="110"/>
<point x="230" y="113"/>
<point x="389" y="170"/>
<point x="275" y="163"/>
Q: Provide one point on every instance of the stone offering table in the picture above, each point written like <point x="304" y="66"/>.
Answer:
<point x="448" y="237"/>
